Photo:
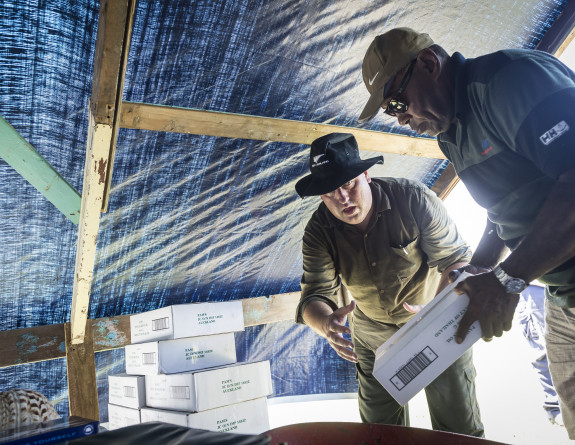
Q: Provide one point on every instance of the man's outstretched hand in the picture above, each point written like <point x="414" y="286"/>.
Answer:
<point x="334" y="327"/>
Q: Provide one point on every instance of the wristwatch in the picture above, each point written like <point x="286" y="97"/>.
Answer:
<point x="512" y="285"/>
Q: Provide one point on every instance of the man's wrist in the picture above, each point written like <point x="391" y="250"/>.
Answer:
<point x="512" y="285"/>
<point x="481" y="266"/>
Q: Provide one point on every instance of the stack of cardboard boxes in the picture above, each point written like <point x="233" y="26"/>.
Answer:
<point x="181" y="368"/>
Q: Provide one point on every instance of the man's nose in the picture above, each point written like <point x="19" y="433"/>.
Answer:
<point x="403" y="118"/>
<point x="342" y="195"/>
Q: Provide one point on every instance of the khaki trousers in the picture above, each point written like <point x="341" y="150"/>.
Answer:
<point x="560" y="339"/>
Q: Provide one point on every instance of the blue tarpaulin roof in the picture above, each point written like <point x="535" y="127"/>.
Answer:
<point x="199" y="218"/>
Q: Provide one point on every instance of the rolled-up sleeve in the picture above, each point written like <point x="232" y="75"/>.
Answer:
<point x="320" y="280"/>
<point x="440" y="239"/>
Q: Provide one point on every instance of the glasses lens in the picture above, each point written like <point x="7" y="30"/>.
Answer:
<point x="396" y="106"/>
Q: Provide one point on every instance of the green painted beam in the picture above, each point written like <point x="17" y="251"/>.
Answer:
<point x="24" y="158"/>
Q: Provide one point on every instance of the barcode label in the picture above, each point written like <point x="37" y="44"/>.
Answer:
<point x="413" y="368"/>
<point x="129" y="391"/>
<point x="180" y="392"/>
<point x="149" y="358"/>
<point x="160" y="323"/>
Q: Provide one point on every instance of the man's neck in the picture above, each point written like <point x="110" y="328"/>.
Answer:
<point x="366" y="222"/>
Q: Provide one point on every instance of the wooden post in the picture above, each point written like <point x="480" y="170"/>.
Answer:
<point x="81" y="367"/>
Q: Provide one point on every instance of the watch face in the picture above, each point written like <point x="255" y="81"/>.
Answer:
<point x="515" y="285"/>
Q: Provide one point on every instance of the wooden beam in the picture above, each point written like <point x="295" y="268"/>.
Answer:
<point x="265" y="310"/>
<point x="24" y="158"/>
<point x="140" y="116"/>
<point x="20" y="346"/>
<point x="112" y="47"/>
<point x="82" y="383"/>
<point x="446" y="182"/>
<point x="29" y="345"/>
<point x="95" y="169"/>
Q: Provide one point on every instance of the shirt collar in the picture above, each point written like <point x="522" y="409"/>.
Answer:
<point x="460" y="73"/>
<point x="461" y="100"/>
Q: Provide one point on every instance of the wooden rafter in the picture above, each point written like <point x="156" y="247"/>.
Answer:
<point x="142" y="116"/>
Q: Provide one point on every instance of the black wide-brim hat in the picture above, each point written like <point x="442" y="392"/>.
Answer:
<point x="334" y="160"/>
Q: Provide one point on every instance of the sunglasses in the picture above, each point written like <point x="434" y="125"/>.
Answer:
<point x="397" y="104"/>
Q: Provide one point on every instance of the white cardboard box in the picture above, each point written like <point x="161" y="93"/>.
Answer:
<point x="127" y="390"/>
<point x="120" y="416"/>
<point x="250" y="417"/>
<point x="187" y="320"/>
<point x="181" y="355"/>
<point x="208" y="389"/>
<point x="422" y="349"/>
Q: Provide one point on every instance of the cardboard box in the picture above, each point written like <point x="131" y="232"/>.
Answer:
<point x="203" y="390"/>
<point x="181" y="355"/>
<point x="187" y="320"/>
<point x="422" y="349"/>
<point x="127" y="390"/>
<point x="250" y="417"/>
<point x="51" y="431"/>
<point x="120" y="416"/>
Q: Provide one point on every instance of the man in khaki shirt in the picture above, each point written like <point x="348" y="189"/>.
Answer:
<point x="392" y="244"/>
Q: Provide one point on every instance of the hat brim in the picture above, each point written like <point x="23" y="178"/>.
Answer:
<point x="372" y="107"/>
<point x="306" y="186"/>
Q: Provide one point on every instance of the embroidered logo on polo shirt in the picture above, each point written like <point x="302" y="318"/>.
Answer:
<point x="486" y="147"/>
<point x="555" y="132"/>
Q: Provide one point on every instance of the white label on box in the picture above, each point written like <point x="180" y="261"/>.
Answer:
<point x="121" y="416"/>
<point x="145" y="327"/>
<point x="211" y="388"/>
<point x="250" y="417"/>
<point x="160" y="415"/>
<point x="127" y="390"/>
<point x="181" y="355"/>
<point x="187" y="320"/>
<point x="233" y="384"/>
<point x="422" y="349"/>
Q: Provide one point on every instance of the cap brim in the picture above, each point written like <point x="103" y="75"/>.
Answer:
<point x="372" y="107"/>
<point x="306" y="186"/>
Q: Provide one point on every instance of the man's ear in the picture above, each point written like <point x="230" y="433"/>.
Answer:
<point x="367" y="177"/>
<point x="429" y="62"/>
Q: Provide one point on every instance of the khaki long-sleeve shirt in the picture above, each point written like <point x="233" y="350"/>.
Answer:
<point x="410" y="240"/>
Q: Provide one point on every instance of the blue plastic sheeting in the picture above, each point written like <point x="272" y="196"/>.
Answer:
<point x="195" y="218"/>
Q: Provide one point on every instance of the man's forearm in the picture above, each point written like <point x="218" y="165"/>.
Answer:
<point x="551" y="240"/>
<point x="490" y="250"/>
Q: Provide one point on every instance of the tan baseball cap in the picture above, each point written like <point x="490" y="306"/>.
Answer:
<point x="388" y="54"/>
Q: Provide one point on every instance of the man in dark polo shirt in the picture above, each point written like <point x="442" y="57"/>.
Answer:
<point x="391" y="243"/>
<point x="506" y="121"/>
